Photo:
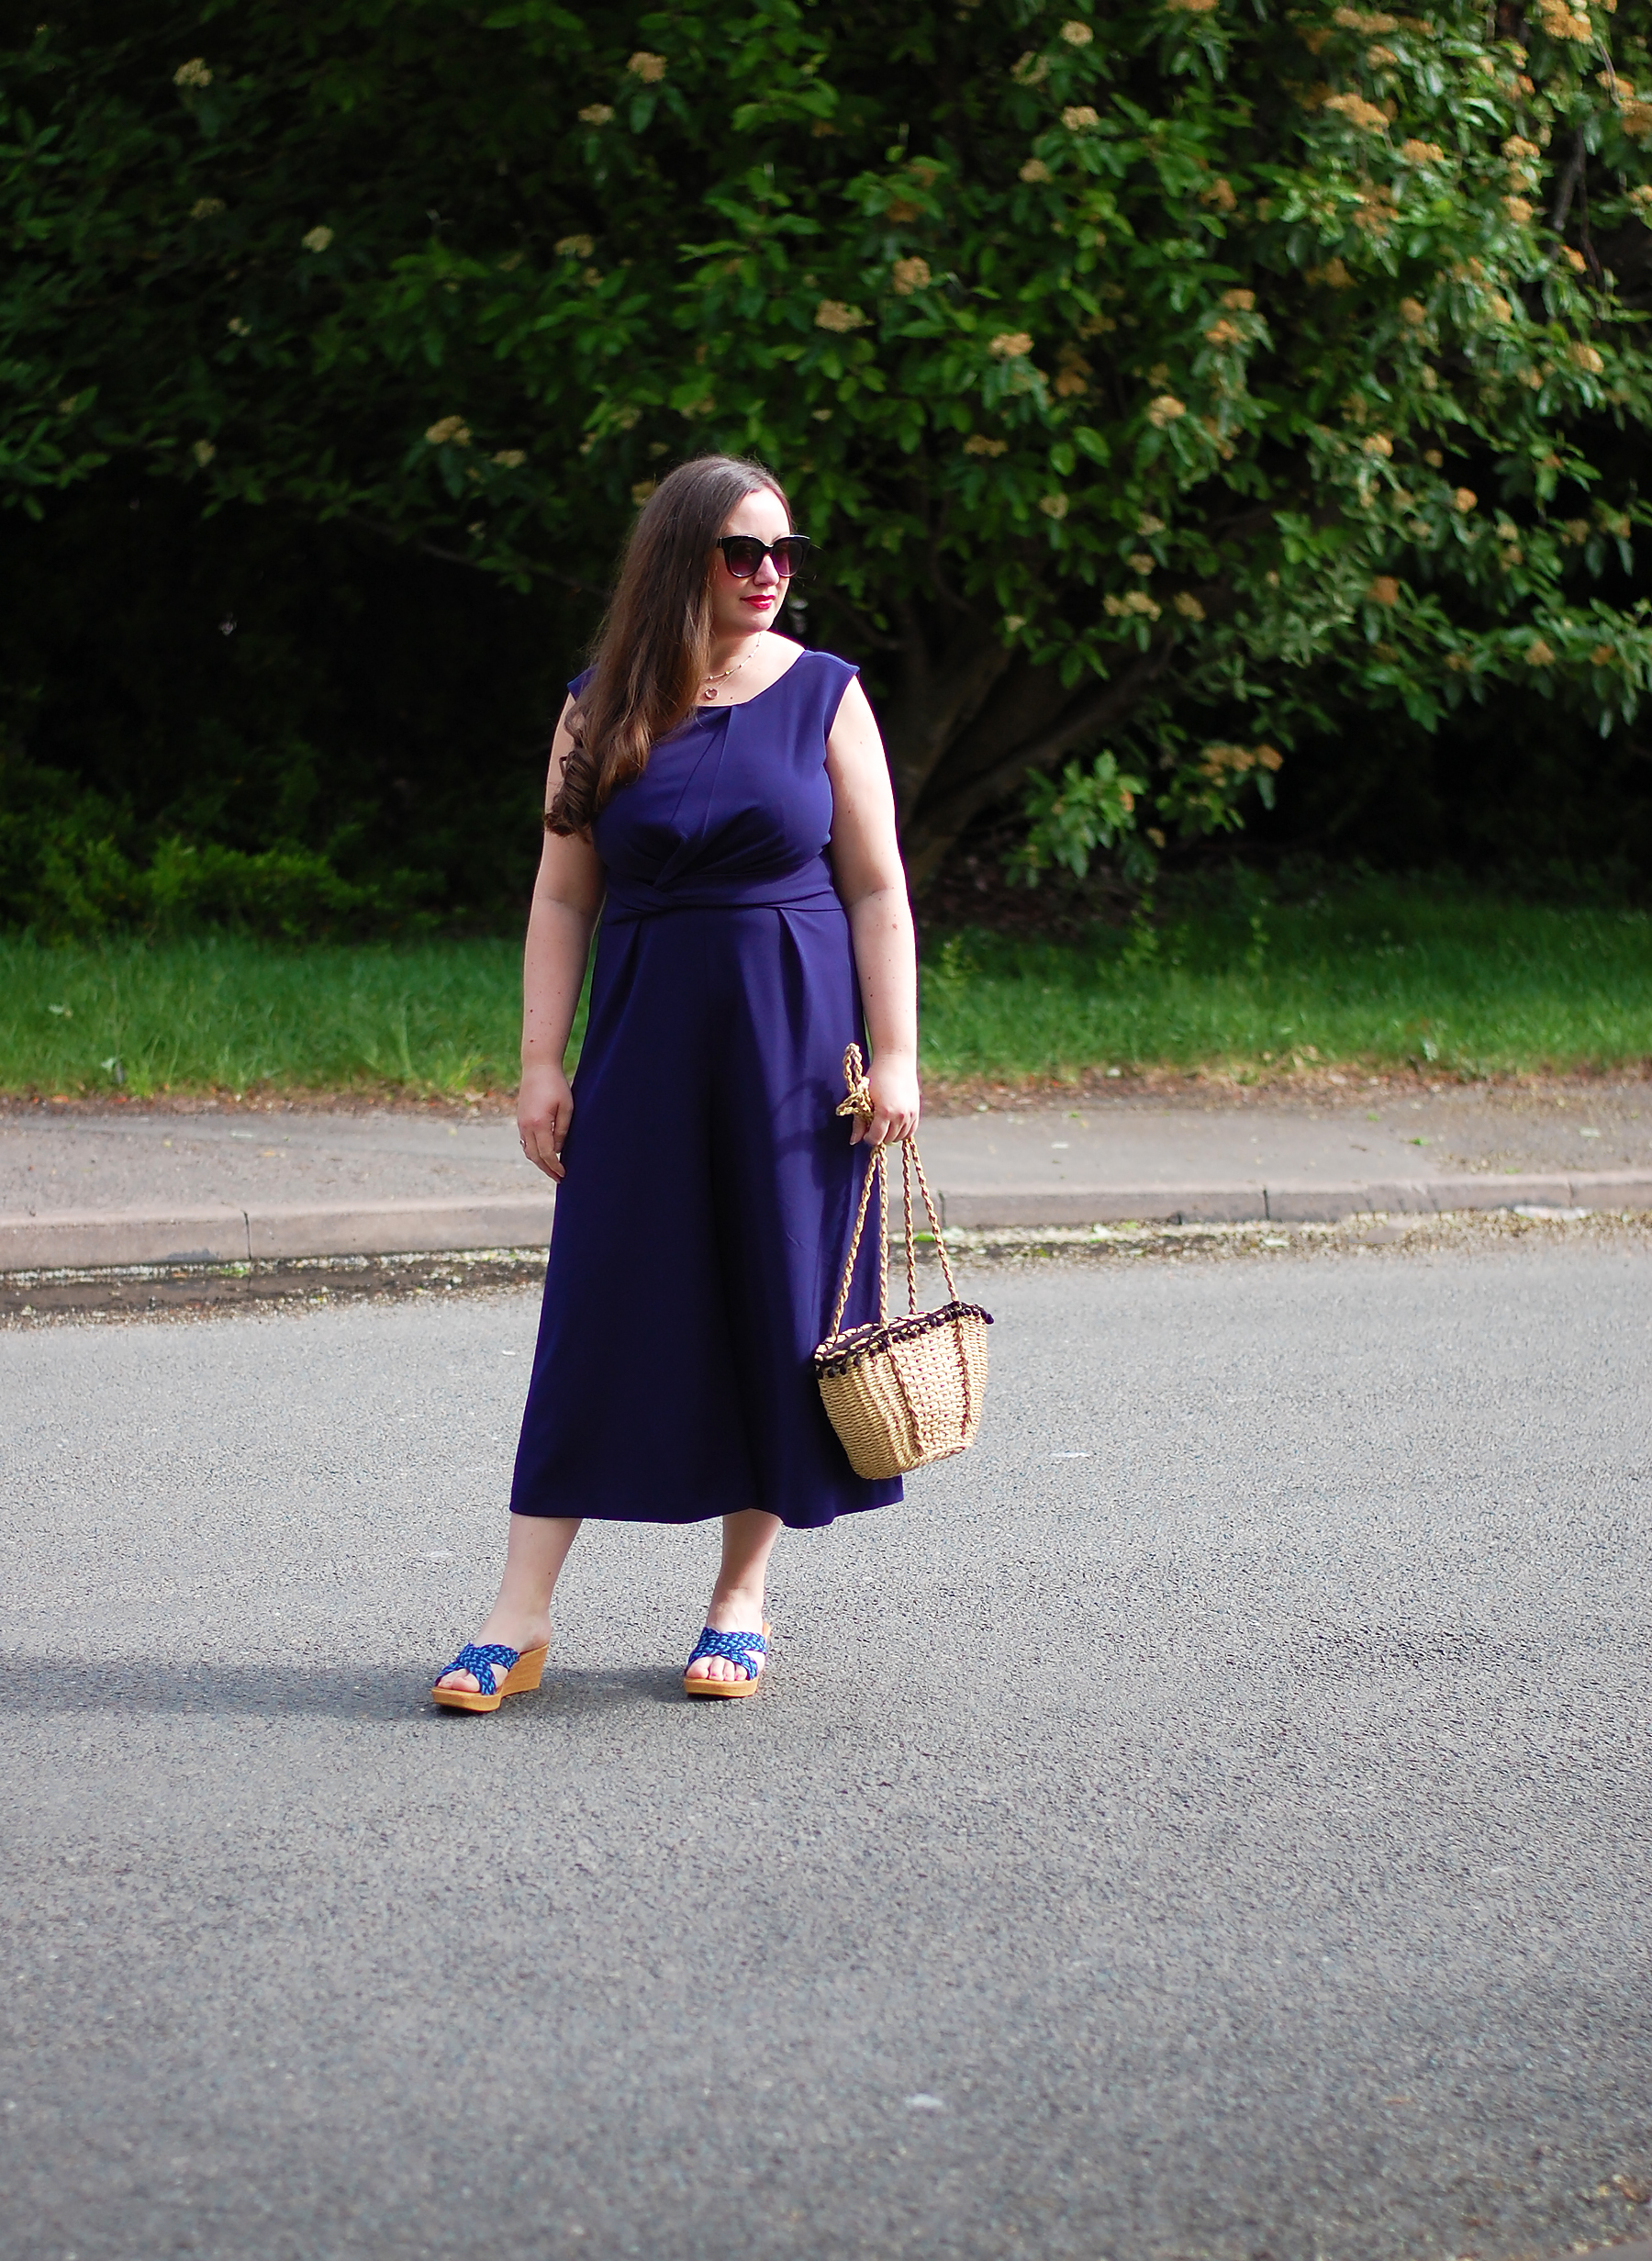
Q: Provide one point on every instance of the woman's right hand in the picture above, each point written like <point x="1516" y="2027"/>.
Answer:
<point x="544" y="1110"/>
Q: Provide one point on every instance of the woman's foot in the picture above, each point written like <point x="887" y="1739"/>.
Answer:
<point x="739" y="1614"/>
<point x="506" y="1631"/>
<point x="748" y="1540"/>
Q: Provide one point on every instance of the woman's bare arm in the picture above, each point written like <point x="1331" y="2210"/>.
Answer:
<point x="567" y="896"/>
<point x="865" y="862"/>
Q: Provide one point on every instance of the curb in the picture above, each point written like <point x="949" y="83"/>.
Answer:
<point x="1299" y="1202"/>
<point x="81" y="1239"/>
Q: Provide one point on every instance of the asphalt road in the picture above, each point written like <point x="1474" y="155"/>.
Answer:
<point x="1210" y="1820"/>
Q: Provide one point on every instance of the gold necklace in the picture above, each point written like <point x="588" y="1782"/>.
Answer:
<point x="711" y="681"/>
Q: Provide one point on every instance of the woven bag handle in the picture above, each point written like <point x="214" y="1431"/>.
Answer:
<point x="859" y="1103"/>
<point x="874" y="1168"/>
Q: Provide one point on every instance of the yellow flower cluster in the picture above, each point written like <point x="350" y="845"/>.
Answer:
<point x="1333" y="274"/>
<point x="574" y="247"/>
<point x="239" y="329"/>
<point x="449" y="428"/>
<point x="832" y="314"/>
<point x="1138" y="602"/>
<point x="1077" y="34"/>
<point x="1379" y="445"/>
<point x="1219" y="761"/>
<point x="1576" y="531"/>
<point x="205" y="207"/>
<point x="1585" y="357"/>
<point x="1078" y="118"/>
<point x="1538" y="654"/>
<point x="1187" y="605"/>
<point x="1142" y="562"/>
<point x="1009" y="344"/>
<point x="1413" y="311"/>
<point x="643" y="489"/>
<point x="317" y="240"/>
<point x="1224" y="333"/>
<point x="511" y="458"/>
<point x="1240" y="301"/>
<point x="596" y="114"/>
<point x="1189" y="8"/>
<point x="1147" y="525"/>
<point x="978" y="444"/>
<point x="1464" y="500"/>
<point x="1035" y="169"/>
<point x="1560" y="23"/>
<point x="911" y="274"/>
<point x="1164" y="410"/>
<point x="1054" y="505"/>
<point x="1367" y="116"/>
<point x="1518" y="209"/>
<point x="191" y="73"/>
<point x="1352" y="20"/>
<point x="1422" y="153"/>
<point x="1641" y="198"/>
<point x="649" y="69"/>
<point x="1221" y="194"/>
<point x="1384" y="590"/>
<point x="1032" y="70"/>
<point x="203" y="451"/>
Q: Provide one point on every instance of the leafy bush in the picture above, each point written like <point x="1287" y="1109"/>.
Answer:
<point x="1163" y="379"/>
<point x="70" y="865"/>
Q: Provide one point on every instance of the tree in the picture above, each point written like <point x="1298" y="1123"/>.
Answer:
<point x="1150" y="376"/>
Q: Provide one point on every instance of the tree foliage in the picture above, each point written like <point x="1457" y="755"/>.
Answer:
<point x="1157" y="380"/>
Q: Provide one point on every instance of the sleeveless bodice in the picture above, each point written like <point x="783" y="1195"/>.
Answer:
<point x="734" y="807"/>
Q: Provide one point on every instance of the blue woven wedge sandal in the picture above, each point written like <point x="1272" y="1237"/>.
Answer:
<point x="739" y="1648"/>
<point x="498" y="1671"/>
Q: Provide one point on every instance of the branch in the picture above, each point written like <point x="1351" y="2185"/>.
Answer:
<point x="850" y="612"/>
<point x="1569" y="179"/>
<point x="457" y="557"/>
<point x="937" y="826"/>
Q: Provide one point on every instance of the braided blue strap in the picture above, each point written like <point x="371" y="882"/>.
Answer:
<point x="480" y="1663"/>
<point x="738" y="1648"/>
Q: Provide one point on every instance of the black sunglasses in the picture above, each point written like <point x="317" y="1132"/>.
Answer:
<point x="742" y="554"/>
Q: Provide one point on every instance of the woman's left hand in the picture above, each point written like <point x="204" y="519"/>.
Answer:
<point x="893" y="1083"/>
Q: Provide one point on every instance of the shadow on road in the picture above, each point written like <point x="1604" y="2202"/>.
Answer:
<point x="47" y="1686"/>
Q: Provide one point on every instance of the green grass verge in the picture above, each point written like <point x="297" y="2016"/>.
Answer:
<point x="227" y="1014"/>
<point x="1377" y="973"/>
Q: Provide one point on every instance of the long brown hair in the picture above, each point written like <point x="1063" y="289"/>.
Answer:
<point x="651" y="651"/>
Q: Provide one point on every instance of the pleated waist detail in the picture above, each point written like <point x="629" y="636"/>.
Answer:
<point x="808" y="888"/>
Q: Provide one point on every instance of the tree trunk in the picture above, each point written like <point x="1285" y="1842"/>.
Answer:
<point x="969" y="722"/>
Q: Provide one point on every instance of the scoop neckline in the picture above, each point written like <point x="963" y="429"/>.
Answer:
<point x="727" y="706"/>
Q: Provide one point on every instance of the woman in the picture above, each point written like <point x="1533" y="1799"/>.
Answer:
<point x="720" y="796"/>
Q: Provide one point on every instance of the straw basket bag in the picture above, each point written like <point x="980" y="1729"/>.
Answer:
<point x="901" y="1393"/>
